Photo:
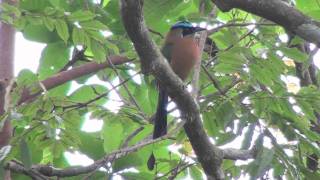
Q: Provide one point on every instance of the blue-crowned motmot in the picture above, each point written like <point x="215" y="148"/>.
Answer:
<point x="182" y="51"/>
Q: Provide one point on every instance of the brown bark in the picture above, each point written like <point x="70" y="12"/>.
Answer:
<point x="208" y="155"/>
<point x="7" y="38"/>
<point x="279" y="12"/>
<point x="68" y="75"/>
<point x="7" y="34"/>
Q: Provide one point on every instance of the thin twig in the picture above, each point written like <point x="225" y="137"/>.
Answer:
<point x="214" y="30"/>
<point x="156" y="33"/>
<point x="179" y="170"/>
<point x="240" y="39"/>
<point x="133" y="100"/>
<point x="80" y="105"/>
<point x="76" y="56"/>
<point x="132" y="135"/>
<point x="213" y="80"/>
<point x="197" y="67"/>
<point x="223" y="91"/>
<point x="50" y="171"/>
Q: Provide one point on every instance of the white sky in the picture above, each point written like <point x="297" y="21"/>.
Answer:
<point x="27" y="54"/>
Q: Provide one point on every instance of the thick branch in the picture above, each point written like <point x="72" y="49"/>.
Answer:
<point x="279" y="12"/>
<point x="236" y="154"/>
<point x="208" y="155"/>
<point x="72" y="74"/>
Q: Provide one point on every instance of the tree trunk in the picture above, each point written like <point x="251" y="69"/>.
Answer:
<point x="7" y="34"/>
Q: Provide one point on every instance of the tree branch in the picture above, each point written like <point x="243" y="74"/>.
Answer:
<point x="71" y="74"/>
<point x="236" y="154"/>
<point x="152" y="60"/>
<point x="214" y="30"/>
<point x="279" y="12"/>
<point x="50" y="171"/>
<point x="7" y="40"/>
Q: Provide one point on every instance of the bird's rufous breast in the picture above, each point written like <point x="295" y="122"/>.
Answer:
<point x="185" y="53"/>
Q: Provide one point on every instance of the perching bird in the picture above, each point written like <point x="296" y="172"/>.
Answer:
<point x="182" y="51"/>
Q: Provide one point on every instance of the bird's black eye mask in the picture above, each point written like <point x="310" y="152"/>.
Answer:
<point x="187" y="28"/>
<point x="187" y="31"/>
<point x="191" y="30"/>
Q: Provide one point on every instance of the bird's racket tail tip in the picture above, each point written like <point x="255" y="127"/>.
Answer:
<point x="151" y="162"/>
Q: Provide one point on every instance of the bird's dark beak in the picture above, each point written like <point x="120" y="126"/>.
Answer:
<point x="197" y="29"/>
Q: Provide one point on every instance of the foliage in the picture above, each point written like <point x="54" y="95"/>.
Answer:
<point x="259" y="103"/>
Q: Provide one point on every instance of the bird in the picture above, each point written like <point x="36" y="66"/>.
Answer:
<point x="182" y="52"/>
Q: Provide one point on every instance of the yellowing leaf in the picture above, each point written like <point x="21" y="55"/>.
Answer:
<point x="187" y="147"/>
<point x="289" y="62"/>
<point x="293" y="87"/>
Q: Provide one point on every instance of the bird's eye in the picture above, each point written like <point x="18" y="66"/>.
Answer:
<point x="187" y="31"/>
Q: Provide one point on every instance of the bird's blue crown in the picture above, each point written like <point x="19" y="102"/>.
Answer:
<point x="182" y="24"/>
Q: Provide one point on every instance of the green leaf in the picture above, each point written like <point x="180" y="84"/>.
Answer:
<point x="10" y="9"/>
<point x="39" y="33"/>
<point x="59" y="3"/>
<point x="93" y="25"/>
<point x="113" y="20"/>
<point x="195" y="172"/>
<point x="261" y="74"/>
<point x="80" y="37"/>
<point x="113" y="47"/>
<point x="246" y="143"/>
<point x="49" y="23"/>
<point x="295" y="54"/>
<point x="20" y="23"/>
<point x="34" y="20"/>
<point x="26" y="77"/>
<point x="314" y="14"/>
<point x="60" y="91"/>
<point x="225" y="38"/>
<point x="25" y="153"/>
<point x="230" y="61"/>
<point x="211" y="123"/>
<point x="112" y="135"/>
<point x="311" y="175"/>
<point x="134" y="176"/>
<point x="53" y="57"/>
<point x="262" y="163"/>
<point x="81" y="16"/>
<point x="99" y="52"/>
<point x="306" y="6"/>
<point x="50" y="11"/>
<point x="33" y="5"/>
<point x="307" y="109"/>
<point x="128" y="161"/>
<point x="226" y="112"/>
<point x="62" y="29"/>
<point x="6" y="18"/>
<point x="88" y="92"/>
<point x="141" y="94"/>
<point x="278" y="169"/>
<point x="261" y="101"/>
<point x="47" y="156"/>
<point x="96" y="35"/>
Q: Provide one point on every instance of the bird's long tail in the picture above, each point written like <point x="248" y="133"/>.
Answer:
<point x="160" y="122"/>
